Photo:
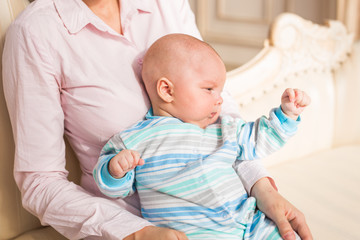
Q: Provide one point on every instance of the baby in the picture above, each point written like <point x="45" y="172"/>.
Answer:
<point x="181" y="158"/>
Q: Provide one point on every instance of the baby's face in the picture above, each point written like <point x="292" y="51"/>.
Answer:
<point x="197" y="96"/>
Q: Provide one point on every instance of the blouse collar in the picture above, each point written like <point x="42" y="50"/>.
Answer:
<point x="75" y="14"/>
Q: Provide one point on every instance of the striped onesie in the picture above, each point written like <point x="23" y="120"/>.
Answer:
<point x="188" y="181"/>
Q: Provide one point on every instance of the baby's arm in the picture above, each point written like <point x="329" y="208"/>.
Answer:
<point x="114" y="171"/>
<point x="266" y="135"/>
<point x="293" y="102"/>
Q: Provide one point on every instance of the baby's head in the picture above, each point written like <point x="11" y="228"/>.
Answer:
<point x="184" y="78"/>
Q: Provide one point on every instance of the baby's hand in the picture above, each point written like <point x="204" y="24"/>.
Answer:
<point x="293" y="102"/>
<point x="124" y="162"/>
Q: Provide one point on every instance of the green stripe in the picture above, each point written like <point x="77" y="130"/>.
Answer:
<point x="235" y="234"/>
<point x="146" y="133"/>
<point x="274" y="235"/>
<point x="214" y="131"/>
<point x="275" y="138"/>
<point x="181" y="187"/>
<point x="190" y="184"/>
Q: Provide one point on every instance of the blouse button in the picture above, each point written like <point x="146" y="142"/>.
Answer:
<point x="140" y="61"/>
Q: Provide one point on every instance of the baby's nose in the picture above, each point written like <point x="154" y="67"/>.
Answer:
<point x="219" y="101"/>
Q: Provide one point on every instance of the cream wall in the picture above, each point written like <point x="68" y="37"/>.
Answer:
<point x="237" y="28"/>
<point x="348" y="11"/>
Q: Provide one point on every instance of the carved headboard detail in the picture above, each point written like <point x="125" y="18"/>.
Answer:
<point x="295" y="46"/>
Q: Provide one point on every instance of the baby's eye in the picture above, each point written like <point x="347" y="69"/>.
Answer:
<point x="209" y="89"/>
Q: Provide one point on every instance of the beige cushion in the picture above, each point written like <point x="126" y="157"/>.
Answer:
<point x="325" y="186"/>
<point x="46" y="233"/>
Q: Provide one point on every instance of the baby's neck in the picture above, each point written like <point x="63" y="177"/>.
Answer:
<point x="161" y="112"/>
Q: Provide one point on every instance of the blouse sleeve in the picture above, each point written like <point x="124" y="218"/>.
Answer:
<point x="32" y="93"/>
<point x="188" y="20"/>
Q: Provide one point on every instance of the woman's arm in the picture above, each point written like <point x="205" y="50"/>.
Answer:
<point x="72" y="211"/>
<point x="287" y="217"/>
<point x="33" y="99"/>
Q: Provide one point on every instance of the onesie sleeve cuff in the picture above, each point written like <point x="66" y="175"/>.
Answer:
<point x="286" y="122"/>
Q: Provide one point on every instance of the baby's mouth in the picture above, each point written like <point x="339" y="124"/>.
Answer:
<point x="213" y="114"/>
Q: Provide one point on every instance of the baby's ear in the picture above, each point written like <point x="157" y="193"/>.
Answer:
<point x="165" y="89"/>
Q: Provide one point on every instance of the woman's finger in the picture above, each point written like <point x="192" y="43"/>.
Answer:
<point x="299" y="224"/>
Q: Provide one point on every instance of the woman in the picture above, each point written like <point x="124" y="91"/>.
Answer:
<point x="72" y="67"/>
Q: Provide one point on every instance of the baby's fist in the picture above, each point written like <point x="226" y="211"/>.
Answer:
<point x="293" y="102"/>
<point x="124" y="162"/>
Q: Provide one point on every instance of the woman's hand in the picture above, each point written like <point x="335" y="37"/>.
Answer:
<point x="287" y="218"/>
<point x="157" y="233"/>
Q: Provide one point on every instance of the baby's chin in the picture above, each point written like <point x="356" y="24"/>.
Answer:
<point x="213" y="120"/>
<point x="208" y="121"/>
<point x="204" y="123"/>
